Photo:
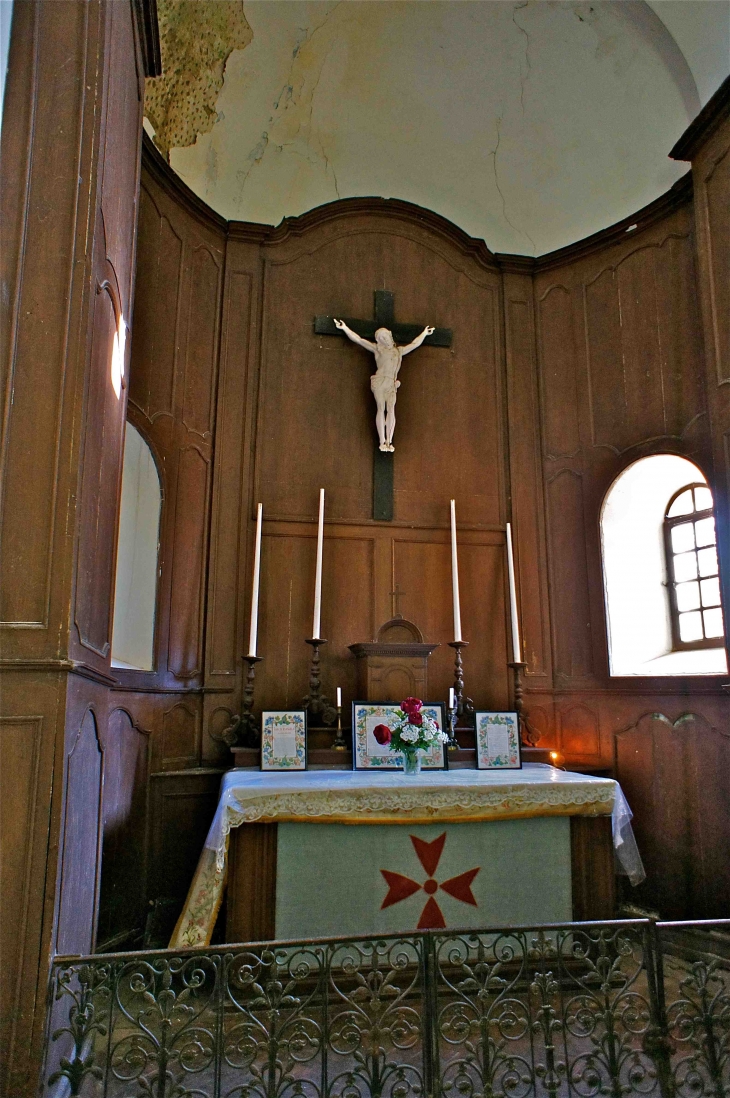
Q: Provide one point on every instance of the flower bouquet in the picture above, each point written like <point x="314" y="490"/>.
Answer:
<point x="412" y="733"/>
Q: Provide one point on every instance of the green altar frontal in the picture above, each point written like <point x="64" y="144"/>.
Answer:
<point x="337" y="879"/>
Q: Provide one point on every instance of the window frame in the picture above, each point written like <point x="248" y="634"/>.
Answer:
<point x="678" y="645"/>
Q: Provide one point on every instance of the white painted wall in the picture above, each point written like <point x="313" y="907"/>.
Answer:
<point x="6" y="17"/>
<point x="137" y="553"/>
<point x="529" y="124"/>
<point x="635" y="574"/>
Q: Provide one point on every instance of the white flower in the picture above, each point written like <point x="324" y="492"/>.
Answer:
<point x="428" y="734"/>
<point x="410" y="735"/>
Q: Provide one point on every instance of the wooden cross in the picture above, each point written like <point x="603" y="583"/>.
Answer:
<point x="402" y="333"/>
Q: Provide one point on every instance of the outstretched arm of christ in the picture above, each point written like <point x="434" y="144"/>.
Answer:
<point x="417" y="341"/>
<point x="354" y="336"/>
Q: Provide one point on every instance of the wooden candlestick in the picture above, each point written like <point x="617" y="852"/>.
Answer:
<point x="527" y="736"/>
<point x="463" y="704"/>
<point x="249" y="733"/>
<point x="315" y="702"/>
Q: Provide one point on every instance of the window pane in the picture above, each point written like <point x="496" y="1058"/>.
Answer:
<point x="713" y="623"/>
<point x="710" y="592"/>
<point x="704" y="531"/>
<point x="683" y="536"/>
<point x="685" y="567"/>
<point x="690" y="626"/>
<point x="682" y="505"/>
<point x="688" y="596"/>
<point x="708" y="561"/>
<point x="703" y="499"/>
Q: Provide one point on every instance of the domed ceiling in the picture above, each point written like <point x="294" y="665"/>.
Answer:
<point x="530" y="124"/>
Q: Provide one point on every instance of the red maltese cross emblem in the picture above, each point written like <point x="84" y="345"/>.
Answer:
<point x="429" y="855"/>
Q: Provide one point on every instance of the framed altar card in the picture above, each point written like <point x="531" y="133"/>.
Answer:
<point x="368" y="754"/>
<point x="284" y="739"/>
<point x="498" y="741"/>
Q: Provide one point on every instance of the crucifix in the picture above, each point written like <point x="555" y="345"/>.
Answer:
<point x="387" y="336"/>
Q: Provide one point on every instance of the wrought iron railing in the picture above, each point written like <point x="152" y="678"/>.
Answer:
<point x="580" y="1009"/>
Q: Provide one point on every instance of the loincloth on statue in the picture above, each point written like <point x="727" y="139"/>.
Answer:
<point x="384" y="388"/>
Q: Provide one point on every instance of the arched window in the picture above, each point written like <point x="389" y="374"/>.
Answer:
<point x="135" y="594"/>
<point x="693" y="570"/>
<point x="642" y="560"/>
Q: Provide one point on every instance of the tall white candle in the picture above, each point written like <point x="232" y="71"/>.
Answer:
<point x="451" y="697"/>
<point x="516" y="656"/>
<point x="253" y="632"/>
<point x="317" y="620"/>
<point x="339" y="697"/>
<point x="455" y="575"/>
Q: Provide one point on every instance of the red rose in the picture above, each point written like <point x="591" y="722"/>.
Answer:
<point x="411" y="705"/>
<point x="415" y="718"/>
<point x="382" y="734"/>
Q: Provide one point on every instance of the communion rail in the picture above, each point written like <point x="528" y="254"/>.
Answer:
<point x="576" y="1009"/>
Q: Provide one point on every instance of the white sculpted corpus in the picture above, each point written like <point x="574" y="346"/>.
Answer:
<point x="384" y="383"/>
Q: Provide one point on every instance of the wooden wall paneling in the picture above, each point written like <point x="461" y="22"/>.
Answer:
<point x="569" y="577"/>
<point x="593" y="872"/>
<point x="20" y="779"/>
<point x="230" y="562"/>
<point x="668" y="769"/>
<point x="173" y="387"/>
<point x="156" y="310"/>
<point x="100" y="477"/>
<point x="447" y="395"/>
<point x="710" y="154"/>
<point x="182" y="806"/>
<point x="315" y="389"/>
<point x="81" y="831"/>
<point x="580" y="732"/>
<point x="526" y="478"/>
<point x="422" y="568"/>
<point x="123" y="870"/>
<point x="187" y="577"/>
<point x="58" y="48"/>
<point x="286" y="604"/>
<point x="251" y="888"/>
<point x="73" y="113"/>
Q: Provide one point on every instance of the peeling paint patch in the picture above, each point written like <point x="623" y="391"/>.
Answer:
<point x="196" y="39"/>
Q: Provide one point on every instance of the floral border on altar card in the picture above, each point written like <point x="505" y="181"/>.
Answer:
<point x="368" y="754"/>
<point x="498" y="741"/>
<point x="284" y="739"/>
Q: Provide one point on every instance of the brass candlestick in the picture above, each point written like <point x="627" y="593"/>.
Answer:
<point x="249" y="733"/>
<point x="452" y="743"/>
<point x="527" y="736"/>
<point x="463" y="704"/>
<point x="339" y="743"/>
<point x="315" y="702"/>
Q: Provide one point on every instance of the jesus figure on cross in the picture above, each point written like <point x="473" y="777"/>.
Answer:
<point x="384" y="383"/>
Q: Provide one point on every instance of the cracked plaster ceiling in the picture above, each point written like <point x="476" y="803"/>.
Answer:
<point x="530" y="124"/>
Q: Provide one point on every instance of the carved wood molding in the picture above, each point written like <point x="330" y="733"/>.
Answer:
<point x="715" y="111"/>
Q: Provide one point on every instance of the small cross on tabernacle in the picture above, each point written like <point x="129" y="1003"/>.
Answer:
<point x="395" y="597"/>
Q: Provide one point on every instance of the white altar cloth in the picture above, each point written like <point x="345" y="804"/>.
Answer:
<point x="391" y="797"/>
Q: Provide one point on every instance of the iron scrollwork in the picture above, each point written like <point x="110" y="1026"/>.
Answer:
<point x="570" y="1011"/>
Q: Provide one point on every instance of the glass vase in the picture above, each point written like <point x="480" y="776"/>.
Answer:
<point x="411" y="762"/>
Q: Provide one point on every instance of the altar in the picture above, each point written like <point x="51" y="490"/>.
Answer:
<point x="325" y="853"/>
